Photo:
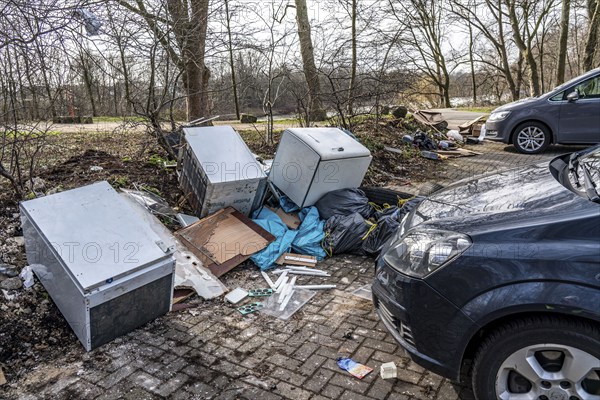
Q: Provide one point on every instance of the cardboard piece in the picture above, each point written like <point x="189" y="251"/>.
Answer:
<point x="180" y="295"/>
<point x="296" y="259"/>
<point x="224" y="240"/>
<point x="290" y="219"/>
<point x="467" y="127"/>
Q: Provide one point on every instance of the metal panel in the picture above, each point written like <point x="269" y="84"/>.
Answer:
<point x="95" y="234"/>
<point x="223" y="154"/>
<point x="330" y="143"/>
<point x="336" y="174"/>
<point x="129" y="311"/>
<point x="47" y="267"/>
<point x="294" y="167"/>
<point x="308" y="164"/>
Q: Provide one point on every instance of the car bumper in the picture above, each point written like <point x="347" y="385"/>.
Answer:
<point x="498" y="131"/>
<point x="429" y="327"/>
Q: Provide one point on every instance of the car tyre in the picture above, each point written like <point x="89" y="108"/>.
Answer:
<point x="543" y="349"/>
<point x="531" y="138"/>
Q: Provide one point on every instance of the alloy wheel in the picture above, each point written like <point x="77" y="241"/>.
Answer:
<point x="549" y="372"/>
<point x="531" y="138"/>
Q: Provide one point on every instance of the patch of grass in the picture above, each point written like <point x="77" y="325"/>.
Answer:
<point x="486" y="110"/>
<point x="118" y="119"/>
<point x="118" y="181"/>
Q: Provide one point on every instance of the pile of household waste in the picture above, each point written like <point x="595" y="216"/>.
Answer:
<point x="112" y="251"/>
<point x="440" y="143"/>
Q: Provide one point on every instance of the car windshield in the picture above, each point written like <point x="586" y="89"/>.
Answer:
<point x="584" y="170"/>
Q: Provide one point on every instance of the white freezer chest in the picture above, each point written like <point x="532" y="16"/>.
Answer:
<point x="311" y="162"/>
<point x="219" y="171"/>
<point x="104" y="268"/>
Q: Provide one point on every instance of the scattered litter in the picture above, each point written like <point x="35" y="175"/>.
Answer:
<point x="189" y="270"/>
<point x="331" y="158"/>
<point x="180" y="295"/>
<point x="96" y="168"/>
<point x="236" y="295"/>
<point x="218" y="170"/>
<point x="27" y="276"/>
<point x="468" y="127"/>
<point x="388" y="370"/>
<point x="454" y="153"/>
<point x="364" y="292"/>
<point x="301" y="272"/>
<point x="297" y="259"/>
<point x="224" y="240"/>
<point x="291" y="220"/>
<point x="298" y="299"/>
<point x="2" y="377"/>
<point x="432" y="155"/>
<point x="268" y="280"/>
<point x="186" y="220"/>
<point x="250" y="308"/>
<point x="455" y="135"/>
<point x="315" y="287"/>
<point x="357" y="370"/>
<point x="154" y="203"/>
<point x="432" y="119"/>
<point x="260" y="292"/>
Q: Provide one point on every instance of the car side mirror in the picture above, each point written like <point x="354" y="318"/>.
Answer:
<point x="573" y="96"/>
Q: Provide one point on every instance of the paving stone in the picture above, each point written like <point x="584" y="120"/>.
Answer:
<point x="332" y="391"/>
<point x="350" y="382"/>
<point x="201" y="389"/>
<point x="172" y="385"/>
<point x="117" y="376"/>
<point x="146" y="381"/>
<point x="292" y="392"/>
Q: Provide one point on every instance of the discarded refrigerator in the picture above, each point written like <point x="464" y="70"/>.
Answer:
<point x="105" y="269"/>
<point x="311" y="162"/>
<point x="218" y="170"/>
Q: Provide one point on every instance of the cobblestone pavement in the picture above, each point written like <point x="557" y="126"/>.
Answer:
<point x="213" y="352"/>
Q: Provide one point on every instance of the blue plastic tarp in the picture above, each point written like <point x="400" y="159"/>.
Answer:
<point x="310" y="234"/>
<point x="305" y="240"/>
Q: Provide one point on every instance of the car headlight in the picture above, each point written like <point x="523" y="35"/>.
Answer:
<point x="423" y="251"/>
<point x="498" y="116"/>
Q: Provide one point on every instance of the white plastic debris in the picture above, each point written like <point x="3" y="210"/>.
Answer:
<point x="388" y="370"/>
<point x="96" y="168"/>
<point x="27" y="276"/>
<point x="315" y="287"/>
<point x="482" y="133"/>
<point x="453" y="134"/>
<point x="236" y="295"/>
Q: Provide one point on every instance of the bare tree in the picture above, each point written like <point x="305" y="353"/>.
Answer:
<point x="591" y="43"/>
<point x="311" y="73"/>
<point x="563" y="42"/>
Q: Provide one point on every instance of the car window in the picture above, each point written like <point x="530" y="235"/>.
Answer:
<point x="589" y="89"/>
<point x="558" y="97"/>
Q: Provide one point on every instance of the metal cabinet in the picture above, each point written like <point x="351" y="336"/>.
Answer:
<point x="104" y="268"/>
<point x="311" y="162"/>
<point x="218" y="171"/>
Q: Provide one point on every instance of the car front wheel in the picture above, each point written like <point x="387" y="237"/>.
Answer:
<point x="531" y="138"/>
<point x="539" y="359"/>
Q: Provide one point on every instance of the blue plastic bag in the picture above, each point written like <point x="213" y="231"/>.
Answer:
<point x="356" y="369"/>
<point x="271" y="222"/>
<point x="310" y="234"/>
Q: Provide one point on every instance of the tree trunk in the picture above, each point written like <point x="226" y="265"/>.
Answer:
<point x="562" y="44"/>
<point x="354" y="62"/>
<point x="591" y="42"/>
<point x="311" y="74"/>
<point x="231" y="62"/>
<point x="472" y="63"/>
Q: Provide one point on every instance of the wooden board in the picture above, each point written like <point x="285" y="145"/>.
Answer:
<point x="458" y="153"/>
<point x="224" y="240"/>
<point x="292" y="259"/>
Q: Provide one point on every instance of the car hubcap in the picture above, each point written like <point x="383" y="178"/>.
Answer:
<point x="531" y="138"/>
<point x="549" y="372"/>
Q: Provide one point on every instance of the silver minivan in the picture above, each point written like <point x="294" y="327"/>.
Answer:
<point x="569" y="114"/>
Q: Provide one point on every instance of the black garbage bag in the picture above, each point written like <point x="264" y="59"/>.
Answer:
<point x="409" y="205"/>
<point x="384" y="212"/>
<point x="345" y="233"/>
<point x="386" y="226"/>
<point x="344" y="202"/>
<point x="423" y="141"/>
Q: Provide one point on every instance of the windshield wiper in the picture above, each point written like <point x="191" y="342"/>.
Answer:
<point x="588" y="184"/>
